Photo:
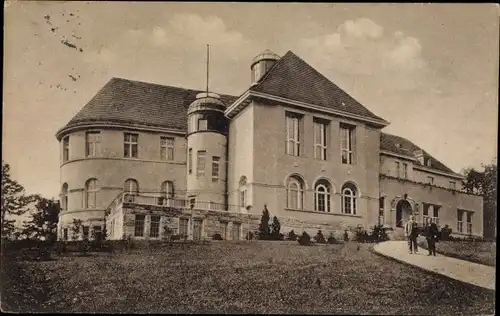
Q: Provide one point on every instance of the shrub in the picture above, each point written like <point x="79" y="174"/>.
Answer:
<point x="217" y="237"/>
<point x="276" y="227"/>
<point x="361" y="235"/>
<point x="331" y="239"/>
<point x="291" y="236"/>
<point x="379" y="234"/>
<point x="264" y="230"/>
<point x="320" y="239"/>
<point x="305" y="239"/>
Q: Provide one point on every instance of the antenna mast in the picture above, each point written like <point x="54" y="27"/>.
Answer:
<point x="208" y="64"/>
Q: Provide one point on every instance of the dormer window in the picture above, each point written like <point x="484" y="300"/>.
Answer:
<point x="427" y="161"/>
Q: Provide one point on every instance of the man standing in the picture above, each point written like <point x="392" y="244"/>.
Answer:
<point x="431" y="233"/>
<point x="411" y="233"/>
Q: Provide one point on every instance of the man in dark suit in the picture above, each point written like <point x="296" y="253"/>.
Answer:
<point x="431" y="234"/>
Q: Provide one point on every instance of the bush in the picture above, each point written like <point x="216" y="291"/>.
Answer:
<point x="217" y="237"/>
<point x="276" y="227"/>
<point x="305" y="239"/>
<point x="291" y="236"/>
<point x="331" y="239"/>
<point x="264" y="230"/>
<point x="320" y="239"/>
<point x="379" y="234"/>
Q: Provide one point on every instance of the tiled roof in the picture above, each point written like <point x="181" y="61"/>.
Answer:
<point x="292" y="78"/>
<point x="134" y="102"/>
<point x="402" y="146"/>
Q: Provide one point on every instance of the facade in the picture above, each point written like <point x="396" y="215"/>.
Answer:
<point x="146" y="161"/>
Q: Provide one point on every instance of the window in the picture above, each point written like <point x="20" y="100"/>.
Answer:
<point x="320" y="140"/>
<point x="167" y="189"/>
<point x="292" y="135"/>
<point x="200" y="164"/>
<point x="154" y="226"/>
<point x="190" y="160"/>
<point x="85" y="230"/>
<point x="183" y="226"/>
<point x="430" y="180"/>
<point x="223" y="230"/>
<point x="453" y="185"/>
<point x="202" y="124"/>
<point x="427" y="161"/>
<point x="381" y="208"/>
<point x="65" y="148"/>
<point x="215" y="169"/>
<point x="236" y="231"/>
<point x="405" y="170"/>
<point x="65" y="234"/>
<point x="91" y="188"/>
<point x="139" y="225"/>
<point x="435" y="214"/>
<point x="425" y="213"/>
<point x="243" y="198"/>
<point x="64" y="197"/>
<point x="112" y="228"/>
<point x="93" y="144"/>
<point x="130" y="145"/>
<point x="347" y="143"/>
<point x="167" y="148"/>
<point x="349" y="193"/>
<point x="97" y="230"/>
<point x="398" y="169"/>
<point x="322" y="192"/>
<point x="131" y="188"/>
<point x="460" y="221"/>
<point x="469" y="222"/>
<point x="295" y="193"/>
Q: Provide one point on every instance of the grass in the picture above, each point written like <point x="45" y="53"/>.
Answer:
<point x="478" y="252"/>
<point x="251" y="277"/>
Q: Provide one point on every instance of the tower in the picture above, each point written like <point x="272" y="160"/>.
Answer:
<point x="261" y="64"/>
<point x="207" y="148"/>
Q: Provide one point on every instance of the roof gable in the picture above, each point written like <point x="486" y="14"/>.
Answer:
<point x="292" y="78"/>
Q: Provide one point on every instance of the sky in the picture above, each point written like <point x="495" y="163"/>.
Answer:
<point x="431" y="70"/>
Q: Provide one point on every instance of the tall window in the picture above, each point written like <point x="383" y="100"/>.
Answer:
<point x="460" y="221"/>
<point x="430" y="180"/>
<point x="215" y="168"/>
<point x="167" y="189"/>
<point x="381" y="208"/>
<point x="453" y="185"/>
<point x="200" y="163"/>
<point x="349" y="193"/>
<point x="91" y="189"/>
<point x="295" y="193"/>
<point x="130" y="145"/>
<point x="85" y="232"/>
<point x="320" y="129"/>
<point x="425" y="212"/>
<point x="167" y="148"/>
<point x="435" y="214"/>
<point x="64" y="197"/>
<point x="292" y="135"/>
<point x="65" y="148"/>
<point x="405" y="170"/>
<point x="236" y="231"/>
<point x="243" y="191"/>
<point x="131" y="188"/>
<point x="347" y="143"/>
<point x="93" y="144"/>
<point x="322" y="193"/>
<point x="190" y="160"/>
<point x="469" y="222"/>
<point x="139" y="225"/>
<point x="154" y="226"/>
<point x="183" y="226"/>
<point x="398" y="169"/>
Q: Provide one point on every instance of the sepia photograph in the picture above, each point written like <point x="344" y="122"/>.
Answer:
<point x="249" y="158"/>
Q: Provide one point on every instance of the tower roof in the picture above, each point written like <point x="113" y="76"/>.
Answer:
<point x="265" y="55"/>
<point x="207" y="101"/>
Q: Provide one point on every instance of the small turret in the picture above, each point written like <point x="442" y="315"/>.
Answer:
<point x="261" y="64"/>
<point x="206" y="113"/>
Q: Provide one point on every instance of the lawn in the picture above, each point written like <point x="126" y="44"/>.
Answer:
<point x="249" y="277"/>
<point x="479" y="252"/>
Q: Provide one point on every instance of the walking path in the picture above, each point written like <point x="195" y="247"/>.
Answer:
<point x="465" y="271"/>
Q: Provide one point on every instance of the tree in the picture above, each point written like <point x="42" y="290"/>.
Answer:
<point x="276" y="226"/>
<point x="43" y="224"/>
<point x="485" y="184"/>
<point x="264" y="231"/>
<point x="14" y="201"/>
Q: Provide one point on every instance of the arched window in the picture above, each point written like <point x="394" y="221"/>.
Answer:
<point x="294" y="193"/>
<point x="91" y="189"/>
<point x="349" y="193"/>
<point x="64" y="197"/>
<point x="243" y="191"/>
<point x="130" y="188"/>
<point x="322" y="193"/>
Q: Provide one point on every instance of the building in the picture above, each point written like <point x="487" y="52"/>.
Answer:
<point x="140" y="157"/>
